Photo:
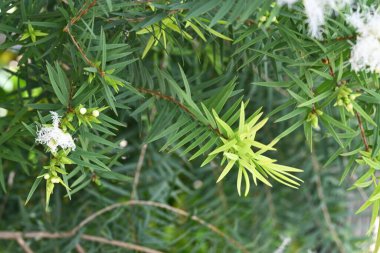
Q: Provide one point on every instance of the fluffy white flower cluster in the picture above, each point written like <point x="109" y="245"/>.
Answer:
<point x="365" y="54"/>
<point x="53" y="136"/>
<point x="316" y="11"/>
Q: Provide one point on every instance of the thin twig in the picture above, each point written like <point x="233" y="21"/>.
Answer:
<point x="120" y="244"/>
<point x="23" y="245"/>
<point x="67" y="29"/>
<point x="19" y="237"/>
<point x="180" y="105"/>
<point x="80" y="249"/>
<point x="362" y="133"/>
<point x="349" y="37"/>
<point x="325" y="211"/>
<point x="167" y="98"/>
<point x="138" y="171"/>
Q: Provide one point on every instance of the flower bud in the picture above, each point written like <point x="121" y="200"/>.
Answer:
<point x="314" y="123"/>
<point x="70" y="116"/>
<point x="350" y="107"/>
<point x="83" y="111"/>
<point x="95" y="113"/>
<point x="263" y="18"/>
<point x="354" y="96"/>
<point x="46" y="176"/>
<point x="319" y="112"/>
<point x="55" y="180"/>
<point x="123" y="143"/>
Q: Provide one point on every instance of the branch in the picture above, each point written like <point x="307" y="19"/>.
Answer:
<point x="23" y="245"/>
<point x="67" y="28"/>
<point x="167" y="98"/>
<point x="348" y="37"/>
<point x="162" y="206"/>
<point x="326" y="215"/>
<point x="362" y="133"/>
<point x="42" y="234"/>
<point x="179" y="104"/>
<point x="19" y="237"/>
<point x="79" y="248"/>
<point x="120" y="244"/>
<point x="138" y="171"/>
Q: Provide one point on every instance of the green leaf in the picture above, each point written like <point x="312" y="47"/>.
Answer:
<point x="316" y="99"/>
<point x="225" y="171"/>
<point x="363" y="113"/>
<point x="33" y="189"/>
<point x="104" y="49"/>
<point x="58" y="85"/>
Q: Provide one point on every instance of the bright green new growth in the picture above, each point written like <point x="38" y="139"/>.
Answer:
<point x="238" y="150"/>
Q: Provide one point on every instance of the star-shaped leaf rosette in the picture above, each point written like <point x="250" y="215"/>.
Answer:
<point x="240" y="149"/>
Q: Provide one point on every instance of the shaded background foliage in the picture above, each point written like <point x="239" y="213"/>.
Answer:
<point x="261" y="51"/>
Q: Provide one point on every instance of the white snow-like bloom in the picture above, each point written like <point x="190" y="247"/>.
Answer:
<point x="365" y="54"/>
<point x="316" y="12"/>
<point x="54" y="137"/>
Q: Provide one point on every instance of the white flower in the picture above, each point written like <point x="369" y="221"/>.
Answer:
<point x="54" y="137"/>
<point x="316" y="12"/>
<point x="365" y="54"/>
<point x="366" y="22"/>
<point x="288" y="2"/>
<point x="95" y="113"/>
<point x="83" y="111"/>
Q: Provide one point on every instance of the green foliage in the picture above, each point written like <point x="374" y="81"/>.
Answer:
<point x="178" y="76"/>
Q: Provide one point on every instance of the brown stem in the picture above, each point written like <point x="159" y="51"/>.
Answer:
<point x="362" y="133"/>
<point x="120" y="244"/>
<point x="179" y="104"/>
<point x="23" y="245"/>
<point x="349" y="37"/>
<point x="360" y="123"/>
<point x="19" y="237"/>
<point x="167" y="98"/>
<point x="79" y="248"/>
<point x="67" y="29"/>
